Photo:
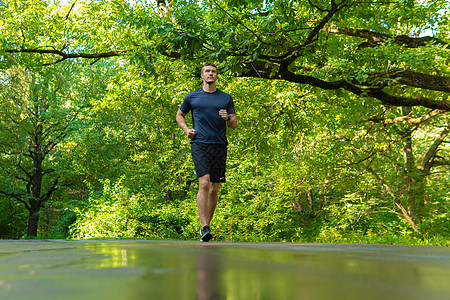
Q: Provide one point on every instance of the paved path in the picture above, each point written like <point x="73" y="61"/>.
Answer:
<point x="129" y="270"/>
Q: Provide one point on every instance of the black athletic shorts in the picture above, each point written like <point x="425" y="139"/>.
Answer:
<point x="210" y="159"/>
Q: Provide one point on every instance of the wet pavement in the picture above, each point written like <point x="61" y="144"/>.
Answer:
<point x="58" y="269"/>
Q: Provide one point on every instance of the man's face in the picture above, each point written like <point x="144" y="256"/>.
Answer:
<point x="209" y="74"/>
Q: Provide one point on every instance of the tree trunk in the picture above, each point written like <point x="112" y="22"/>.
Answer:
<point x="36" y="187"/>
<point x="33" y="219"/>
<point x="404" y="213"/>
<point x="414" y="180"/>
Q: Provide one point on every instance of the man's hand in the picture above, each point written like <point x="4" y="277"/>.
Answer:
<point x="181" y="120"/>
<point x="190" y="133"/>
<point x="223" y="114"/>
<point x="231" y="119"/>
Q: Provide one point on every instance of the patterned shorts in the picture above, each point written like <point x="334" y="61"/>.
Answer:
<point x="210" y="159"/>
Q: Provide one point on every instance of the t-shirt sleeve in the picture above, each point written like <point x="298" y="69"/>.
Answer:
<point x="186" y="105"/>
<point x="230" y="108"/>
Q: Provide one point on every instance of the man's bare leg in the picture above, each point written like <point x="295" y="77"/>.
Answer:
<point x="207" y="198"/>
<point x="205" y="207"/>
<point x="213" y="199"/>
<point x="203" y="200"/>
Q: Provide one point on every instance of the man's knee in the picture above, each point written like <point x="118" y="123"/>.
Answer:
<point x="214" y="188"/>
<point x="204" y="183"/>
<point x="213" y="192"/>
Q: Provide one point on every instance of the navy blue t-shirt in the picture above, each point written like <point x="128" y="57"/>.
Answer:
<point x="209" y="127"/>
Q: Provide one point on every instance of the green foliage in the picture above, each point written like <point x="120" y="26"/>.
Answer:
<point x="40" y="108"/>
<point x="12" y="219"/>
<point x="108" y="213"/>
<point x="114" y="212"/>
<point x="305" y="164"/>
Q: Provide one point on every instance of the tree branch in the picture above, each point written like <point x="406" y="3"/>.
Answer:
<point x="396" y="202"/>
<point x="373" y="155"/>
<point x="416" y="79"/>
<point x="316" y="6"/>
<point x="427" y="162"/>
<point x="375" y="38"/>
<point x="17" y="197"/>
<point x="23" y="169"/>
<point x="334" y="9"/>
<point x="70" y="10"/>
<point x="441" y="163"/>
<point x="47" y="195"/>
<point x="385" y="98"/>
<point x="238" y="21"/>
<point x="408" y="119"/>
<point x="65" y="56"/>
<point x="63" y="132"/>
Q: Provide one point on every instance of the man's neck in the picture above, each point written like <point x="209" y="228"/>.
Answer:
<point x="209" y="88"/>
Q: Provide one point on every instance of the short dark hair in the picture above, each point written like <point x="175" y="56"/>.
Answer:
<point x="208" y="65"/>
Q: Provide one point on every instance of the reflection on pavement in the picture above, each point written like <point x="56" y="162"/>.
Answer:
<point x="207" y="284"/>
<point x="192" y="270"/>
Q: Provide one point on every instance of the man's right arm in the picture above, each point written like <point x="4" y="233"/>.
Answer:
<point x="181" y="120"/>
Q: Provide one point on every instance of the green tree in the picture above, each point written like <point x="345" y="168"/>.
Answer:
<point x="38" y="111"/>
<point x="345" y="71"/>
<point x="367" y="50"/>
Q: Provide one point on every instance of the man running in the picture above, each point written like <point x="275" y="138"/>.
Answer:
<point x="212" y="112"/>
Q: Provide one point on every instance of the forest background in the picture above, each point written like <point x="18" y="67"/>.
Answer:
<point x="343" y="119"/>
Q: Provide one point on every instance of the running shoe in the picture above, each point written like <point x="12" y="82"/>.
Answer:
<point x="205" y="234"/>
